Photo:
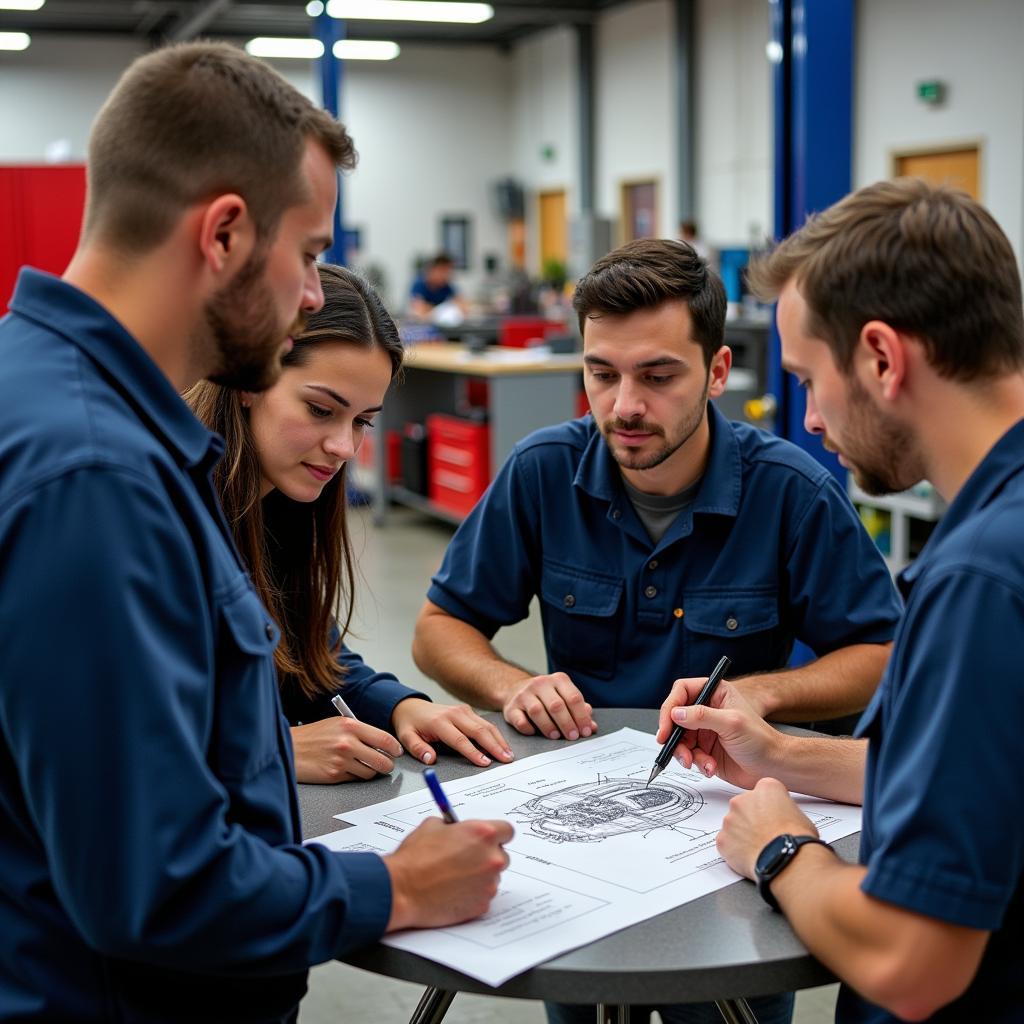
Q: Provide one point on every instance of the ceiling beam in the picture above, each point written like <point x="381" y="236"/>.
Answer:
<point x="194" y="25"/>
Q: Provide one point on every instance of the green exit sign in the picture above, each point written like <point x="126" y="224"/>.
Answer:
<point x="932" y="92"/>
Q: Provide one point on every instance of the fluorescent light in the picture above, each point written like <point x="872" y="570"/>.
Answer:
<point x="14" y="40"/>
<point x="21" y="5"/>
<point x="274" y="46"/>
<point x="410" y="10"/>
<point x="365" y="49"/>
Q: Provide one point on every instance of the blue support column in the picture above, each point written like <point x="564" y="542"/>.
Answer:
<point x="329" y="30"/>
<point x="812" y="43"/>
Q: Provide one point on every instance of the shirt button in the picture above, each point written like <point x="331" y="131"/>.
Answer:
<point x="652" y="564"/>
<point x="651" y="592"/>
<point x="616" y="514"/>
<point x="732" y="622"/>
<point x="269" y="630"/>
<point x="569" y="601"/>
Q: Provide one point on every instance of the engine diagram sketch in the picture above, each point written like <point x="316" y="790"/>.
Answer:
<point x="593" y="811"/>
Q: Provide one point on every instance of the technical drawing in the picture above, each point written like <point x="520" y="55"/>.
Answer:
<point x="590" y="812"/>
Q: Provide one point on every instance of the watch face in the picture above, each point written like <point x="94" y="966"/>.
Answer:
<point x="773" y="855"/>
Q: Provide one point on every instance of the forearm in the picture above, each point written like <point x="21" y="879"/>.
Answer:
<point x="907" y="963"/>
<point x="823" y="766"/>
<point x="463" y="661"/>
<point x="839" y="683"/>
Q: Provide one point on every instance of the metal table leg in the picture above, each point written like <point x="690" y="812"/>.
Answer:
<point x="736" y="1011"/>
<point x="612" y="1013"/>
<point x="432" y="1007"/>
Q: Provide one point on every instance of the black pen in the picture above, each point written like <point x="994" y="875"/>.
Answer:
<point x="704" y="697"/>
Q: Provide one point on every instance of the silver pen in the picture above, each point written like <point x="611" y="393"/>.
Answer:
<point x="346" y="712"/>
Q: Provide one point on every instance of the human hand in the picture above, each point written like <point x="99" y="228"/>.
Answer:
<point x="418" y="723"/>
<point x="551" y="705"/>
<point x="443" y="874"/>
<point x="754" y="819"/>
<point x="342" y="750"/>
<point x="726" y="738"/>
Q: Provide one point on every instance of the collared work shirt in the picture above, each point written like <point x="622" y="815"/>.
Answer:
<point x="943" y="831"/>
<point x="770" y="551"/>
<point x="152" y="860"/>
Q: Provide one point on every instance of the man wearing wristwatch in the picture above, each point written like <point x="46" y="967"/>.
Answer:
<point x="900" y="312"/>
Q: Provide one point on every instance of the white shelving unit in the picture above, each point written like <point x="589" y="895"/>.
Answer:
<point x="921" y="503"/>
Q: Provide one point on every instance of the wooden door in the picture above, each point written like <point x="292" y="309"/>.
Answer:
<point x="958" y="167"/>
<point x="554" y="240"/>
<point x="639" y="210"/>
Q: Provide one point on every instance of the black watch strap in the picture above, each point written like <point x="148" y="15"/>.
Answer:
<point x="773" y="859"/>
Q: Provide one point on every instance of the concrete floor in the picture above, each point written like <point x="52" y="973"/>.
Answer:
<point x="396" y="563"/>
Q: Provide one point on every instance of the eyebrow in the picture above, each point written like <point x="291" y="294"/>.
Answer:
<point x="338" y="398"/>
<point x="646" y="364"/>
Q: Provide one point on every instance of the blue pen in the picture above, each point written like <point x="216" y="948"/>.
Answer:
<point x="439" y="796"/>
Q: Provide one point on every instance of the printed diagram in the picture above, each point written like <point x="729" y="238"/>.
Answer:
<point x="591" y="812"/>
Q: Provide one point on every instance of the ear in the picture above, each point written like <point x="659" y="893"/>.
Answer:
<point x="246" y="398"/>
<point x="882" y="356"/>
<point x="227" y="235"/>
<point x="718" y="371"/>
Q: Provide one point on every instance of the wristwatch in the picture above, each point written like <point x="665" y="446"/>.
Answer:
<point x="774" y="857"/>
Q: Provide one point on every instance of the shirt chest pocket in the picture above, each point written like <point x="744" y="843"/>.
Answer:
<point x="245" y="739"/>
<point x="743" y="624"/>
<point x="581" y="620"/>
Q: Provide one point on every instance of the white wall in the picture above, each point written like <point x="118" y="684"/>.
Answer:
<point x="433" y="133"/>
<point x="734" y="121"/>
<point x="433" y="130"/>
<point x="634" y="122"/>
<point x="53" y="90"/>
<point x="976" y="49"/>
<point x="545" y="113"/>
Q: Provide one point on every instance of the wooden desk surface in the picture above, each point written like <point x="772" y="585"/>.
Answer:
<point x="496" y="361"/>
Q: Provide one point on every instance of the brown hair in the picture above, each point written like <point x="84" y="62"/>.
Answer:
<point x="191" y="122"/>
<point x="298" y="554"/>
<point x="928" y="261"/>
<point x="644" y="274"/>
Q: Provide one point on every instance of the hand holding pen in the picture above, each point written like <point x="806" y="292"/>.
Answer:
<point x="678" y="731"/>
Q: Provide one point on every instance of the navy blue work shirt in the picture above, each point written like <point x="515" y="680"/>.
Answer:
<point x="943" y="831"/>
<point x="434" y="295"/>
<point x="770" y="551"/>
<point x="152" y="860"/>
<point x="372" y="696"/>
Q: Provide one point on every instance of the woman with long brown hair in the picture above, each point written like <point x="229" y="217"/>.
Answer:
<point x="282" y="485"/>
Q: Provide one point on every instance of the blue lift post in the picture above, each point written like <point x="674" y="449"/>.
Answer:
<point x="812" y="43"/>
<point x="329" y="30"/>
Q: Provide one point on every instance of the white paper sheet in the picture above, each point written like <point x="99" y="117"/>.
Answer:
<point x="594" y="851"/>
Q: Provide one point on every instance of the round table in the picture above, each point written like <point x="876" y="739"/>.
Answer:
<point x="723" y="947"/>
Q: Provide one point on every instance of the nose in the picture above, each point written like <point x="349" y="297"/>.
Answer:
<point x="312" y="291"/>
<point x="813" y="422"/>
<point x="629" y="404"/>
<point x="341" y="444"/>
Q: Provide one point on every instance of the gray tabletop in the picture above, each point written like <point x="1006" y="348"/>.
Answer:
<point x="725" y="945"/>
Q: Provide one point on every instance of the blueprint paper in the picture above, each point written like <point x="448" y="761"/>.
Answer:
<point x="594" y="850"/>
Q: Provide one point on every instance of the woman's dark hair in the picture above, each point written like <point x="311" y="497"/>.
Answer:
<point x="298" y="554"/>
<point x="644" y="274"/>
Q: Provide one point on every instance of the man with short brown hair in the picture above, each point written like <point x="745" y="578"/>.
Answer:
<point x="658" y="536"/>
<point x="153" y="862"/>
<point x="900" y="312"/>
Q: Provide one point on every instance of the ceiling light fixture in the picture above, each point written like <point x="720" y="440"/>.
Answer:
<point x="365" y="49"/>
<point x="14" y="40"/>
<point x="275" y="46"/>
<point x="312" y="49"/>
<point x="21" y="5"/>
<point x="410" y="10"/>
